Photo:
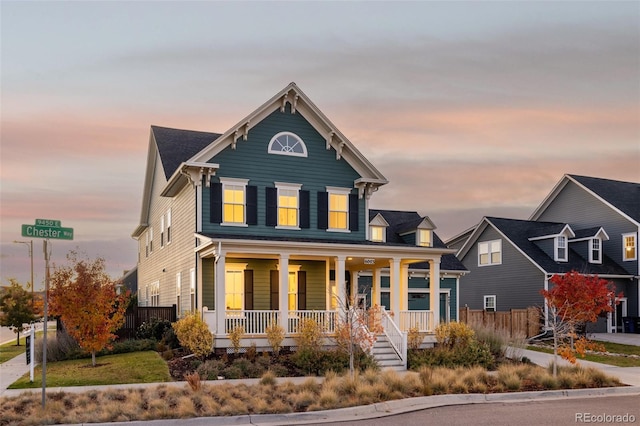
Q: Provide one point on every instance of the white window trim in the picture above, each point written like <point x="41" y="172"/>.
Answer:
<point x="556" y="247"/>
<point x="624" y="246"/>
<point x="225" y="181"/>
<point x="591" y="250"/>
<point x="192" y="289"/>
<point x="383" y="229"/>
<point x="495" y="302"/>
<point x="168" y="223"/>
<point x="179" y="294"/>
<point x="155" y="293"/>
<point x="162" y="242"/>
<point x="235" y="267"/>
<point x="290" y="187"/>
<point x="489" y="245"/>
<point x="419" y="241"/>
<point x="150" y="239"/>
<point x="338" y="191"/>
<point x="271" y="150"/>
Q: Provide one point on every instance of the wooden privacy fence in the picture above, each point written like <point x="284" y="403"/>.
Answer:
<point x="136" y="315"/>
<point x="518" y="322"/>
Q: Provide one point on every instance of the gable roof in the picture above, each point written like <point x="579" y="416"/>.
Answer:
<point x="370" y="178"/>
<point x="521" y="234"/>
<point x="402" y="221"/>
<point x="624" y="197"/>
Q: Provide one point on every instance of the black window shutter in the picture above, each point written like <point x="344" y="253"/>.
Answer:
<point x="323" y="210"/>
<point x="302" y="290"/>
<point x="248" y="289"/>
<point x="304" y="210"/>
<point x="215" y="195"/>
<point x="353" y="212"/>
<point x="274" y="292"/>
<point x="272" y="206"/>
<point x="252" y="205"/>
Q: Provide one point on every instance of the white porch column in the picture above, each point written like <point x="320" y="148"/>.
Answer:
<point x="375" y="287"/>
<point x="394" y="277"/>
<point x="404" y="287"/>
<point x="220" y="294"/>
<point x="341" y="287"/>
<point x="434" y="290"/>
<point x="284" y="291"/>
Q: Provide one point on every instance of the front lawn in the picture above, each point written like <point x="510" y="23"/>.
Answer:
<point x="134" y="367"/>
<point x="9" y="350"/>
<point x="619" y="355"/>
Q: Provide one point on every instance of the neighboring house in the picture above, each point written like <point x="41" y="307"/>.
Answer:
<point x="269" y="222"/>
<point x="585" y="224"/>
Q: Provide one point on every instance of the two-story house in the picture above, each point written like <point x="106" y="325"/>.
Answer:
<point x="585" y="224"/>
<point x="269" y="222"/>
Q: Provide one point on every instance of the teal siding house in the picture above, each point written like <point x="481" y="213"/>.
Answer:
<point x="270" y="222"/>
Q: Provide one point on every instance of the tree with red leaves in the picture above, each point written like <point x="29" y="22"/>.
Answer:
<point x="85" y="298"/>
<point x="575" y="299"/>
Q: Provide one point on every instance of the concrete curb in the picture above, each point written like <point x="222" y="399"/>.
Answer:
<point x="383" y="409"/>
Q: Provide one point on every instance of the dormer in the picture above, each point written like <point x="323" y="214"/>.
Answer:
<point x="588" y="243"/>
<point x="420" y="231"/>
<point x="554" y="240"/>
<point x="378" y="229"/>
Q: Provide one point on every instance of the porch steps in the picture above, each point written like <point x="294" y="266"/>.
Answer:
<point x="385" y="355"/>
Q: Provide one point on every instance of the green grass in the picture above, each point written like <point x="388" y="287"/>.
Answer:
<point x="618" y="361"/>
<point x="9" y="350"/>
<point x="134" y="367"/>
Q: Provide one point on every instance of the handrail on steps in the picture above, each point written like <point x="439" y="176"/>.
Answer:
<point x="397" y="338"/>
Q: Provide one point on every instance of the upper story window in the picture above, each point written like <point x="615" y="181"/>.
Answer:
<point x="595" y="250"/>
<point x="490" y="253"/>
<point x="150" y="239"/>
<point x="338" y="211"/>
<point x="233" y="201"/>
<point x="288" y="204"/>
<point x="629" y="247"/>
<point x="560" y="248"/>
<point x="155" y="293"/>
<point x="424" y="238"/>
<point x="161" y="231"/>
<point x="168" y="226"/>
<point x="378" y="233"/>
<point x="287" y="143"/>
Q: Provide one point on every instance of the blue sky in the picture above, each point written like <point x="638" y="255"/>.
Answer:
<point x="468" y="108"/>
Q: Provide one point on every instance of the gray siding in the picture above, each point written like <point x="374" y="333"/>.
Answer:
<point x="319" y="169"/>
<point x="582" y="210"/>
<point x="516" y="282"/>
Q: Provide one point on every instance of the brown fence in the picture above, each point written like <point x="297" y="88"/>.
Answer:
<point x="136" y="315"/>
<point x="516" y="321"/>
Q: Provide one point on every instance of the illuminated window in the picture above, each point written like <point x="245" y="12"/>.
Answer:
<point x="288" y="204"/>
<point x="234" y="286"/>
<point x="338" y="211"/>
<point x="378" y="233"/>
<point x="293" y="291"/>
<point x="287" y="143"/>
<point x="192" y="289"/>
<point x="629" y="247"/>
<point x="424" y="238"/>
<point x="561" y="248"/>
<point x="233" y="201"/>
<point x="490" y="253"/>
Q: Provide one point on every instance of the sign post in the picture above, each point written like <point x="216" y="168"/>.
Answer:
<point x="46" y="228"/>
<point x="30" y="345"/>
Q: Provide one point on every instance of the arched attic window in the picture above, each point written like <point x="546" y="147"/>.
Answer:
<point x="287" y="143"/>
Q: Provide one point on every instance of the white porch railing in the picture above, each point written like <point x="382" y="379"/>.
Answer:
<point x="253" y="322"/>
<point x="422" y="320"/>
<point x="397" y="338"/>
<point x="327" y="319"/>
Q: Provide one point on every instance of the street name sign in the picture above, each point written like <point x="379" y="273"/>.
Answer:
<point x="47" y="228"/>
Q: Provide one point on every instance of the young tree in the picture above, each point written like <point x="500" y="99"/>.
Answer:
<point x="85" y="298"/>
<point x="575" y="299"/>
<point x="193" y="334"/>
<point x="16" y="308"/>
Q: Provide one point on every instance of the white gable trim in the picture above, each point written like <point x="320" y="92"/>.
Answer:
<point x="566" y="231"/>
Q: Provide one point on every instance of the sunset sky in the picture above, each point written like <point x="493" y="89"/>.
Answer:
<point x="468" y="108"/>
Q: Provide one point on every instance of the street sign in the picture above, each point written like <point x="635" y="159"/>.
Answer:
<point x="47" y="228"/>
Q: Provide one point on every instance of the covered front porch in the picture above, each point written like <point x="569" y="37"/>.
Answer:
<point x="253" y="284"/>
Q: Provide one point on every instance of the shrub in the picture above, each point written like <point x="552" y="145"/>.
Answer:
<point x="454" y="334"/>
<point x="310" y="334"/>
<point x="236" y="337"/>
<point x="155" y="329"/>
<point x="193" y="334"/>
<point x="414" y="338"/>
<point x="275" y="336"/>
<point x="211" y="369"/>
<point x="472" y="354"/>
<point x="60" y="347"/>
